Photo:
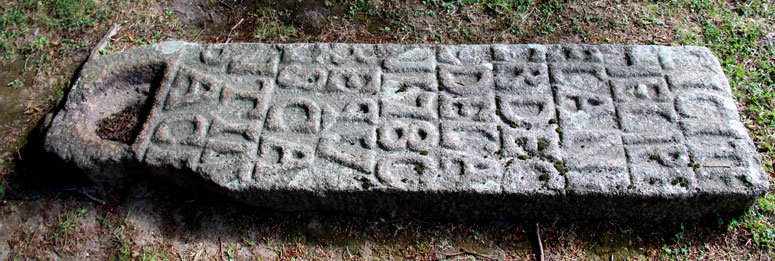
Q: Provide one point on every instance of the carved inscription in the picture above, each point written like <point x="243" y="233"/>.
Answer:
<point x="481" y="118"/>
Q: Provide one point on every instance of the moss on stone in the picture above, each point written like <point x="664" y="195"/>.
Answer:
<point x="419" y="169"/>
<point x="542" y="145"/>
<point x="560" y="166"/>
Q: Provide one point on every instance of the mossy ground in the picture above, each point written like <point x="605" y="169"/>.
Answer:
<point x="42" y="43"/>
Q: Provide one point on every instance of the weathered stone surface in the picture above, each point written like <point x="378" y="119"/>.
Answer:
<point x="469" y="131"/>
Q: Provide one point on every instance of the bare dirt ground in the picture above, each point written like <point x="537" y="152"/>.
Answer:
<point x="52" y="213"/>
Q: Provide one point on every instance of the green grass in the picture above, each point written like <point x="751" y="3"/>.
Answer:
<point x="268" y="26"/>
<point x="67" y="225"/>
<point x="28" y="21"/>
<point x="760" y="223"/>
<point x="2" y="190"/>
<point x="159" y="253"/>
<point x="735" y="36"/>
<point x="75" y="14"/>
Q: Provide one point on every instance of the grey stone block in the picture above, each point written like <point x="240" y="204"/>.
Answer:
<point x="462" y="132"/>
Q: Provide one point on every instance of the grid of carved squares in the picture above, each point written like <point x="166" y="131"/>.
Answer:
<point x="478" y="117"/>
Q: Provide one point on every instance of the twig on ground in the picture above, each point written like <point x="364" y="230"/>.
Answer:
<point x="18" y="154"/>
<point x="716" y="166"/>
<point x="539" y="249"/>
<point x="404" y="219"/>
<point x="466" y="251"/>
<point x="200" y="33"/>
<point x="76" y="190"/>
<point x="220" y="249"/>
<point x="228" y="37"/>
<point x="463" y="251"/>
<point x="28" y="198"/>
<point x="225" y="4"/>
<point x="104" y="41"/>
<point x="197" y="254"/>
<point x="179" y="255"/>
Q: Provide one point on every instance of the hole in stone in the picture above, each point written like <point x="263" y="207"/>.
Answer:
<point x="423" y="134"/>
<point x="399" y="133"/>
<point x="536" y="72"/>
<point x="363" y="108"/>
<point x="122" y="126"/>
<point x="276" y="155"/>
<point x="518" y="71"/>
<point x="459" y="108"/>
<point x="654" y="91"/>
<point x="298" y="155"/>
<point x="594" y="102"/>
<point x="132" y="87"/>
<point x="418" y="101"/>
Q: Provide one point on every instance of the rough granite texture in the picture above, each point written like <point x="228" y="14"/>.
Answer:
<point x="436" y="131"/>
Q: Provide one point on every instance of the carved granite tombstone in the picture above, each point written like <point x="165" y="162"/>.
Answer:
<point x="444" y="131"/>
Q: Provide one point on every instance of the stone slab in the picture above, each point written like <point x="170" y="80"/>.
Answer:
<point x="439" y="131"/>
